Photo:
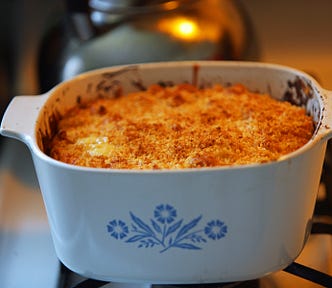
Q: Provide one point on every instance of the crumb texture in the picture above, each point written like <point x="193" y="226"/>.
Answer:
<point x="180" y="127"/>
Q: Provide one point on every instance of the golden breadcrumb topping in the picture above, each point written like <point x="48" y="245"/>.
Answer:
<point x="180" y="127"/>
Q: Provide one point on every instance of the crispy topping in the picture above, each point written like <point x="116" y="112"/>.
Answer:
<point x="180" y="127"/>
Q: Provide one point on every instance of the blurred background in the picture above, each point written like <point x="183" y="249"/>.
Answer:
<point x="46" y="41"/>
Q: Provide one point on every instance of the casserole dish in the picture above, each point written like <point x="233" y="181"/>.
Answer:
<point x="201" y="225"/>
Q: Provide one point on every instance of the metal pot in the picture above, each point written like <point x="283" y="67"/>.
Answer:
<point x="103" y="33"/>
<point x="177" y="226"/>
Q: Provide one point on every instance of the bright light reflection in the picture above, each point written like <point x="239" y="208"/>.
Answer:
<point x="73" y="67"/>
<point x="187" y="28"/>
<point x="182" y="28"/>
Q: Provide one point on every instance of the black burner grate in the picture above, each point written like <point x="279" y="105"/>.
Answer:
<point x="309" y="274"/>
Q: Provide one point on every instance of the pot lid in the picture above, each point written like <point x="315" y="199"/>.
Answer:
<point x="121" y="6"/>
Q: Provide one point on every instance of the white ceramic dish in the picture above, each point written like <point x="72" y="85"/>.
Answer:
<point x="184" y="226"/>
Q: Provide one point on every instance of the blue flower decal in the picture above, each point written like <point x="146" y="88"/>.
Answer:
<point x="215" y="229"/>
<point x="165" y="231"/>
<point x="118" y="229"/>
<point x="165" y="214"/>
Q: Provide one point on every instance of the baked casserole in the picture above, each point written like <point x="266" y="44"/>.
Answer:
<point x="180" y="126"/>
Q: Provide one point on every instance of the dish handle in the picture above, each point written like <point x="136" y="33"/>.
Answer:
<point x="20" y="117"/>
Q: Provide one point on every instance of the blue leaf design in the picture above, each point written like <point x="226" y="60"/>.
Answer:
<point x="147" y="243"/>
<point x="169" y="233"/>
<point x="136" y="238"/>
<point x="173" y="228"/>
<point x="141" y="224"/>
<point x="156" y="226"/>
<point x="187" y="246"/>
<point x="188" y="226"/>
<point x="197" y="238"/>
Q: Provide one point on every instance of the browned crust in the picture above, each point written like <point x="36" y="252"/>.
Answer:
<point x="180" y="127"/>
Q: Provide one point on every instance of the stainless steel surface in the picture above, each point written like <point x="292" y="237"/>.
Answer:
<point x="27" y="256"/>
<point x="149" y="32"/>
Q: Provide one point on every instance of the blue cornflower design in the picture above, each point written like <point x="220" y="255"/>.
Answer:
<point x="215" y="229"/>
<point x="165" y="213"/>
<point x="118" y="229"/>
<point x="164" y="230"/>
